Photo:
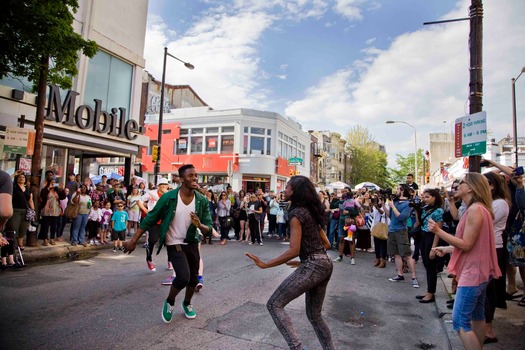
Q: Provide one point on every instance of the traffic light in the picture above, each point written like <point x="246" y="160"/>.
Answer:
<point x="155" y="153"/>
<point x="427" y="178"/>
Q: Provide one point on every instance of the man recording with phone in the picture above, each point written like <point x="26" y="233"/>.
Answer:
<point x="398" y="243"/>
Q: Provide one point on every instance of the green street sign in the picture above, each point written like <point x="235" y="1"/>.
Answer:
<point x="295" y="161"/>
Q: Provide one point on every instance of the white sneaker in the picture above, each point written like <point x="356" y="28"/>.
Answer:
<point x="261" y="243"/>
<point x="91" y="242"/>
<point x="352" y="261"/>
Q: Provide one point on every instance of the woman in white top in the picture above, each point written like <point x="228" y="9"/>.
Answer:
<point x="496" y="287"/>
<point x="133" y="210"/>
<point x="378" y="215"/>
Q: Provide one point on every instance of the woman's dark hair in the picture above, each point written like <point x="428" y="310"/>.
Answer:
<point x="438" y="200"/>
<point x="48" y="182"/>
<point x="500" y="190"/>
<point x="304" y="195"/>
<point x="243" y="194"/>
<point x="15" y="180"/>
<point x="406" y="190"/>
<point x="212" y="195"/>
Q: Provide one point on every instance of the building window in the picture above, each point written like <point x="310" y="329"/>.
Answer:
<point x="108" y="79"/>
<point x="181" y="145"/>
<point x="196" y="145"/>
<point x="268" y="145"/>
<point x="212" y="130"/>
<point x="227" y="143"/>
<point x="228" y="129"/>
<point x="211" y="144"/>
<point x="258" y="131"/>
<point x="184" y="131"/>
<point x="197" y="131"/>
<point x="256" y="145"/>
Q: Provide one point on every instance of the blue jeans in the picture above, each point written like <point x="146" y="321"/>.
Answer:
<point x="311" y="278"/>
<point x="469" y="305"/>
<point x="332" y="230"/>
<point x="78" y="234"/>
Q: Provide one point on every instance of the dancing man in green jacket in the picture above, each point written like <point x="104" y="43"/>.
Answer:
<point x="182" y="212"/>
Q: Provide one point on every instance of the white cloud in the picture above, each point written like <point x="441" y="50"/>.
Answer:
<point x="422" y="78"/>
<point x="370" y="41"/>
<point x="352" y="9"/>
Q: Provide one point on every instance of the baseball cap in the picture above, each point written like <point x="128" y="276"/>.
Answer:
<point x="162" y="181"/>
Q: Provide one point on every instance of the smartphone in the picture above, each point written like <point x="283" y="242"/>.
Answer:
<point x="518" y="171"/>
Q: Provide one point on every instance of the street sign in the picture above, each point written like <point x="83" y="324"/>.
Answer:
<point x="295" y="161"/>
<point x="470" y="138"/>
<point x="19" y="141"/>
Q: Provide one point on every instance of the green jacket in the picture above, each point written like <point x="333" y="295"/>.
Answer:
<point x="165" y="210"/>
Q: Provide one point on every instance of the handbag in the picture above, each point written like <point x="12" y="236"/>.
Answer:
<point x="71" y="211"/>
<point x="52" y="208"/>
<point x="516" y="242"/>
<point x="360" y="220"/>
<point x="30" y="214"/>
<point x="380" y="230"/>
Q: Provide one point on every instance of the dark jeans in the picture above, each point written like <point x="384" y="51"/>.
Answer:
<point x="425" y="243"/>
<point x="48" y="224"/>
<point x="153" y="238"/>
<point x="380" y="248"/>
<point x="185" y="260"/>
<point x="332" y="231"/>
<point x="61" y="224"/>
<point x="255" y="229"/>
<point x="311" y="278"/>
<point x="225" y="229"/>
<point x="272" y="223"/>
<point x="236" y="227"/>
<point x="417" y="239"/>
<point x="281" y="229"/>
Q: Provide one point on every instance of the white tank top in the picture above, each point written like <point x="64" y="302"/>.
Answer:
<point x="180" y="223"/>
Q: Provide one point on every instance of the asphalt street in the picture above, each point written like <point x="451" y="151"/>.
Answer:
<point x="112" y="301"/>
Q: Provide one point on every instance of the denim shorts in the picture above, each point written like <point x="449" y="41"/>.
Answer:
<point x="469" y="305"/>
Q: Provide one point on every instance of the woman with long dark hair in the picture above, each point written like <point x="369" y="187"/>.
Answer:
<point x="309" y="242"/>
<point x="22" y="199"/>
<point x="428" y="240"/>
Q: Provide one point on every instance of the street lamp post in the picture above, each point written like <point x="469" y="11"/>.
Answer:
<point x="161" y="112"/>
<point x="415" y="143"/>
<point x="514" y="119"/>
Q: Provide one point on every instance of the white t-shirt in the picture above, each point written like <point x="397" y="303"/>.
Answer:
<point x="377" y="216"/>
<point x="150" y="198"/>
<point x="501" y="211"/>
<point x="181" y="222"/>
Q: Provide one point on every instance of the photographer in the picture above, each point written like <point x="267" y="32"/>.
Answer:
<point x="432" y="209"/>
<point x="398" y="244"/>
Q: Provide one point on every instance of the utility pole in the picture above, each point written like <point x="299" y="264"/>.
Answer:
<point x="476" y="68"/>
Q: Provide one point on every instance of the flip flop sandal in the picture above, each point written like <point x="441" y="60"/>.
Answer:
<point x="522" y="302"/>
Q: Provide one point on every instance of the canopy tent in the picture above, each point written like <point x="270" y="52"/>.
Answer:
<point x="338" y="185"/>
<point x="369" y="185"/>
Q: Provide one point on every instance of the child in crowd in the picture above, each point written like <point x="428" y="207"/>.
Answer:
<point x="104" y="222"/>
<point x="350" y="229"/>
<point x="94" y="218"/>
<point x="133" y="211"/>
<point x="119" y="222"/>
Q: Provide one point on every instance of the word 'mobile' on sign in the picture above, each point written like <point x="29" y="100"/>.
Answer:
<point x="470" y="138"/>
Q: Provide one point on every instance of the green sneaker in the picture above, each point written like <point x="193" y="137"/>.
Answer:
<point x="188" y="310"/>
<point x="167" y="312"/>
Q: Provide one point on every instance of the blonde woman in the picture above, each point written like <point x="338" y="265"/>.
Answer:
<point x="474" y="260"/>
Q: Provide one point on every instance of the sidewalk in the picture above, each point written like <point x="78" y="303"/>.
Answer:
<point x="509" y="324"/>
<point x="60" y="250"/>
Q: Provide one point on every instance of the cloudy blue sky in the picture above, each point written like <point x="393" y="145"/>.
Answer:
<point x="333" y="64"/>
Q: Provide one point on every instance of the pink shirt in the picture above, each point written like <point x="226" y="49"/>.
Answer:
<point x="480" y="263"/>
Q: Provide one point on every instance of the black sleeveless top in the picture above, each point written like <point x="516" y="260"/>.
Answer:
<point x="311" y="234"/>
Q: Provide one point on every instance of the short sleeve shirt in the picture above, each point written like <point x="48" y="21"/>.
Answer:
<point x="436" y="215"/>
